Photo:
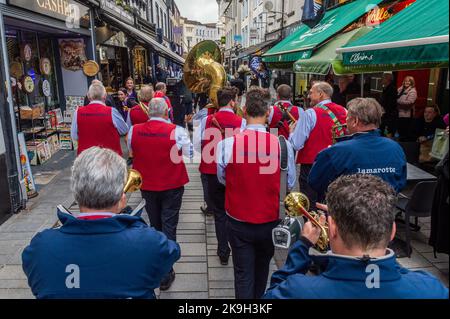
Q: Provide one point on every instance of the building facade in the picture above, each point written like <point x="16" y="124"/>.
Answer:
<point x="195" y="32"/>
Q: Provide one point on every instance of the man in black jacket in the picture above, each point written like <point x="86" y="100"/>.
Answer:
<point x="389" y="103"/>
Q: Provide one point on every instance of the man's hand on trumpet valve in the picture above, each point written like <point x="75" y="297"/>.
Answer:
<point x="311" y="232"/>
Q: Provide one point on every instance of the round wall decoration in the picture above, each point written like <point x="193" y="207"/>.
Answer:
<point x="46" y="66"/>
<point x="27" y="52"/>
<point x="91" y="68"/>
<point x="16" y="70"/>
<point x="46" y="89"/>
<point x="28" y="84"/>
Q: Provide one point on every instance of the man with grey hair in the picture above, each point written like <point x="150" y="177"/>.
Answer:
<point x="158" y="148"/>
<point x="136" y="115"/>
<point x="97" y="124"/>
<point x="98" y="253"/>
<point x="109" y="99"/>
<point x="359" y="265"/>
<point x="364" y="152"/>
<point x="313" y="132"/>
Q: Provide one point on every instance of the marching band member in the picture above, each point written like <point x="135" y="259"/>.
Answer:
<point x="313" y="133"/>
<point x="98" y="253"/>
<point x="161" y="91"/>
<point x="279" y="117"/>
<point x="248" y="164"/>
<point x="365" y="152"/>
<point x="360" y="265"/>
<point x="213" y="129"/>
<point x="97" y="124"/>
<point x="136" y="115"/>
<point x="158" y="148"/>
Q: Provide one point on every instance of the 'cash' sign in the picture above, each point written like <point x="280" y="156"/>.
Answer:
<point x="65" y="10"/>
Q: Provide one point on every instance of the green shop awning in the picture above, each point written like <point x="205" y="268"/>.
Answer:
<point x="326" y="57"/>
<point x="300" y="44"/>
<point x="417" y="37"/>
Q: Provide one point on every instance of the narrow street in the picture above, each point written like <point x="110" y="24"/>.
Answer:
<point x="199" y="274"/>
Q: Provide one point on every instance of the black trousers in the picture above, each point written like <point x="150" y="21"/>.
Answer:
<point x="252" y="249"/>
<point x="216" y="194"/>
<point x="305" y="169"/>
<point x="209" y="204"/>
<point x="163" y="209"/>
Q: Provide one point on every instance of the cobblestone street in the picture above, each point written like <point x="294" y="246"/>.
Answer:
<point x="199" y="274"/>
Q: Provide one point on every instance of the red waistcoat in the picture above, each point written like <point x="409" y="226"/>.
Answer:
<point x="96" y="128"/>
<point x="137" y="116"/>
<point x="321" y="136"/>
<point x="157" y="157"/>
<point x="278" y="116"/>
<point x="253" y="182"/>
<point x="229" y="122"/>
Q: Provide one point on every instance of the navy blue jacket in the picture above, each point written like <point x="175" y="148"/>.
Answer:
<point x="118" y="257"/>
<point x="364" y="153"/>
<point x="345" y="278"/>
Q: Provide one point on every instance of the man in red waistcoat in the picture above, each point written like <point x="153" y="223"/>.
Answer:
<point x="313" y="133"/>
<point x="97" y="124"/>
<point x="161" y="91"/>
<point x="249" y="165"/>
<point x="158" y="148"/>
<point x="136" y="115"/>
<point x="279" y="118"/>
<point x="213" y="129"/>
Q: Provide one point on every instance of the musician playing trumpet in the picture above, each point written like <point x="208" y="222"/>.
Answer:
<point x="98" y="253"/>
<point x="283" y="113"/>
<point x="313" y="133"/>
<point x="138" y="114"/>
<point x="360" y="265"/>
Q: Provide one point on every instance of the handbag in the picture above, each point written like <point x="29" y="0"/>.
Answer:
<point x="440" y="144"/>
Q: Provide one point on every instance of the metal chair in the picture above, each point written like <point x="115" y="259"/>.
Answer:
<point x="419" y="205"/>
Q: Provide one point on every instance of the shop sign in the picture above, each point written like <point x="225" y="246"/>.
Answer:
<point x="46" y="66"/>
<point x="253" y="34"/>
<point x="70" y="11"/>
<point x="381" y="14"/>
<point x="117" y="11"/>
<point x="27" y="174"/>
<point x="46" y="89"/>
<point x="91" y="68"/>
<point x="238" y="38"/>
<point x="28" y="84"/>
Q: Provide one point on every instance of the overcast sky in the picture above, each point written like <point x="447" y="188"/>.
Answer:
<point x="199" y="10"/>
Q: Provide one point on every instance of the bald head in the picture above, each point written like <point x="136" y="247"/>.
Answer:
<point x="146" y="94"/>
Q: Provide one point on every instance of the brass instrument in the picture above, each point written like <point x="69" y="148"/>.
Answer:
<point x="134" y="181"/>
<point x="286" y="109"/>
<point x="338" y="128"/>
<point x="144" y="108"/>
<point x="203" y="70"/>
<point x="297" y="205"/>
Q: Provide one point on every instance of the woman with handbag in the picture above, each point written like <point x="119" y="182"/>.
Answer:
<point x="406" y="99"/>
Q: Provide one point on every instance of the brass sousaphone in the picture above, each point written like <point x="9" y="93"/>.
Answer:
<point x="203" y="70"/>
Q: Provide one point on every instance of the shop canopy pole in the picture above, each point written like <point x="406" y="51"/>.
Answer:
<point x="362" y="84"/>
<point x="12" y="113"/>
<point x="93" y="39"/>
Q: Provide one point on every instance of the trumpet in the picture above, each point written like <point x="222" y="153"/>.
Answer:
<point x="144" y="108"/>
<point x="286" y="109"/>
<point x="297" y="205"/>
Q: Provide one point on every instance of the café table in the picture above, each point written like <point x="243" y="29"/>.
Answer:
<point x="416" y="174"/>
